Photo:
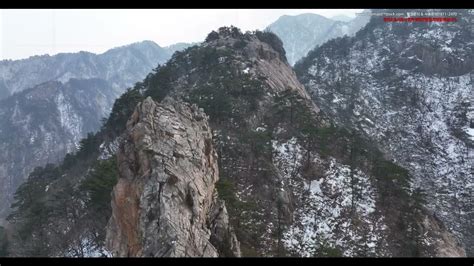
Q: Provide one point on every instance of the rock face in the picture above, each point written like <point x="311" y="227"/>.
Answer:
<point x="445" y="243"/>
<point x="165" y="204"/>
<point x="409" y="88"/>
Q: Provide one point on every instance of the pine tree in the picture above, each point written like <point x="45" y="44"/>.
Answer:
<point x="32" y="213"/>
<point x="3" y="242"/>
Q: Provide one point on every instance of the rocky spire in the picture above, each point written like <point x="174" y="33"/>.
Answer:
<point x="165" y="203"/>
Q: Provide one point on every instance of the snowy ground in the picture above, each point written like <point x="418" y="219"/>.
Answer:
<point x="327" y="215"/>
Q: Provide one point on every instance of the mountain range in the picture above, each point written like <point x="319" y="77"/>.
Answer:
<point x="119" y="66"/>
<point x="362" y="149"/>
<point x="115" y="69"/>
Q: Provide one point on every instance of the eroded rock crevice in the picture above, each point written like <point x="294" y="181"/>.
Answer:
<point x="165" y="203"/>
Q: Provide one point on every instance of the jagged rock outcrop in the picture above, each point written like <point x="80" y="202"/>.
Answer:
<point x="444" y="242"/>
<point x="165" y="204"/>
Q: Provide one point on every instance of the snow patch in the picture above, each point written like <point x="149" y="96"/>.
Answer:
<point x="69" y="119"/>
<point x="470" y="132"/>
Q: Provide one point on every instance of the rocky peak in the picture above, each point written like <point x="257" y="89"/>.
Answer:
<point x="256" y="58"/>
<point x="165" y="204"/>
<point x="233" y="38"/>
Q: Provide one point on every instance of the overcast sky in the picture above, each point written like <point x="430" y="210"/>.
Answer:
<point x="24" y="33"/>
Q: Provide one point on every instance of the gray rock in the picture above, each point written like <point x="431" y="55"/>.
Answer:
<point x="165" y="204"/>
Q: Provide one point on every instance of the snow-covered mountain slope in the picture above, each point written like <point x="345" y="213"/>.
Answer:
<point x="301" y="33"/>
<point x="409" y="87"/>
<point x="121" y="67"/>
<point x="40" y="125"/>
<point x="322" y="220"/>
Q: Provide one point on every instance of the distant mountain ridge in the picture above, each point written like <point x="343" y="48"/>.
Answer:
<point x="138" y="59"/>
<point x="302" y="33"/>
<point x="342" y="18"/>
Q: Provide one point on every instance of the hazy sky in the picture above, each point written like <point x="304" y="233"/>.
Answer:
<point x="24" y="33"/>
